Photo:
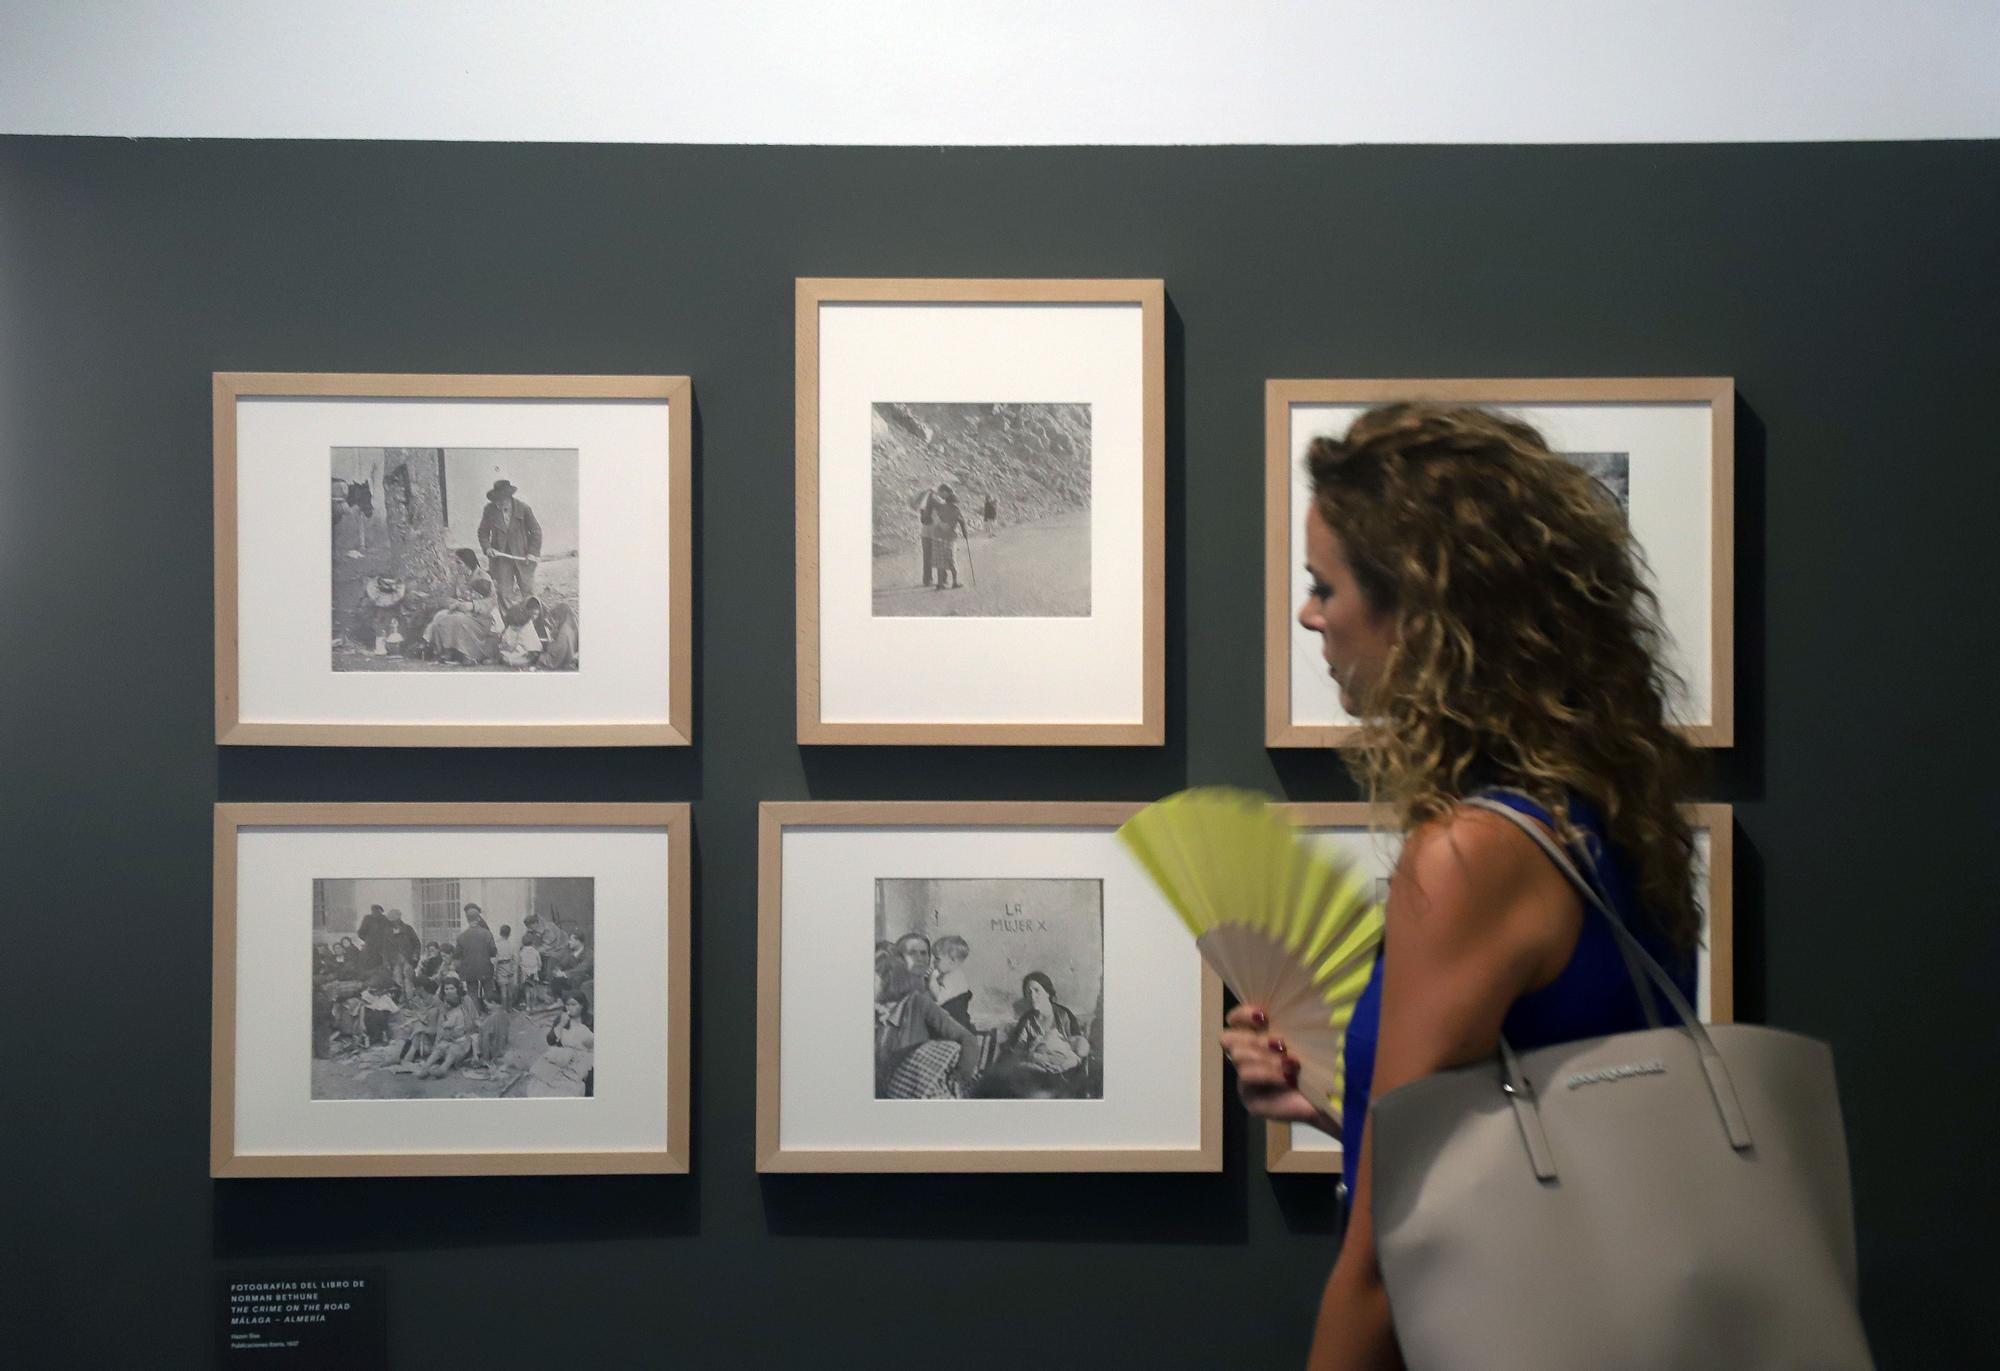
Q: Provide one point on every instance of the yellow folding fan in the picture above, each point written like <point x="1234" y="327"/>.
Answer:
<point x="1285" y="924"/>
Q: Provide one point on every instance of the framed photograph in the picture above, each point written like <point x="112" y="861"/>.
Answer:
<point x="1367" y="837"/>
<point x="976" y="987"/>
<point x="981" y="512"/>
<point x="1663" y="448"/>
<point x="404" y="561"/>
<point x="432" y="990"/>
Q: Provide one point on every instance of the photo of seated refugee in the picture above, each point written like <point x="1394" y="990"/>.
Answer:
<point x="1047" y="1053"/>
<point x="565" y="1068"/>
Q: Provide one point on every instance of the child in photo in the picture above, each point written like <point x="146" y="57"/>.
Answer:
<point x="530" y="970"/>
<point x="507" y="965"/>
<point x="520" y="641"/>
<point x="949" y="986"/>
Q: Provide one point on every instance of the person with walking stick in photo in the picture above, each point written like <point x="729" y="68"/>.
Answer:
<point x="947" y="522"/>
<point x="921" y="503"/>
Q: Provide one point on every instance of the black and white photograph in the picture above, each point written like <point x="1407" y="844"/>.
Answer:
<point x="454" y="988"/>
<point x="981" y="510"/>
<point x="455" y="559"/>
<point x="989" y="989"/>
<point x="1613" y="471"/>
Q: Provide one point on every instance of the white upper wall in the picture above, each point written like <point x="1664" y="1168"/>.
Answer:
<point x="1005" y="71"/>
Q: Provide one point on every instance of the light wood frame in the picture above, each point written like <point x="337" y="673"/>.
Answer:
<point x="773" y="818"/>
<point x="1150" y="296"/>
<point x="1718" y="392"/>
<point x="677" y="730"/>
<point x="1717" y="820"/>
<point x="669" y="1158"/>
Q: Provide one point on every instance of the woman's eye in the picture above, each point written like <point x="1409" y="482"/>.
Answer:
<point x="1319" y="590"/>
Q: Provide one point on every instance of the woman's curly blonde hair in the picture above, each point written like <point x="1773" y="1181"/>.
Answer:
<point x="1526" y="650"/>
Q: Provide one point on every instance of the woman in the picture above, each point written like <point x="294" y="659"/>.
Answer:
<point x="561" y="637"/>
<point x="577" y="969"/>
<point x="467" y="629"/>
<point x="921" y="1052"/>
<point x="1047" y="1033"/>
<point x="1045" y="1053"/>
<point x="347" y="960"/>
<point x="568" y="1062"/>
<point x="450" y="1030"/>
<point x="430" y="968"/>
<point x="1481" y="607"/>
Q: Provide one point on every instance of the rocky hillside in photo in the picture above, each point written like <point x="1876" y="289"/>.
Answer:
<point x="1033" y="459"/>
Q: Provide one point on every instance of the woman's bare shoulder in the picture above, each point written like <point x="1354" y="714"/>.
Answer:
<point x="1470" y="878"/>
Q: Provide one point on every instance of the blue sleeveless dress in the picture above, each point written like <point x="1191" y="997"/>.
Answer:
<point x="1592" y="996"/>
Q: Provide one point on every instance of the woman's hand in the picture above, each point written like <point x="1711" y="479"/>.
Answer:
<point x="1266" y="1077"/>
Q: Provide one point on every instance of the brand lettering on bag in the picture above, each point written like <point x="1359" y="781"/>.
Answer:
<point x="1617" y="1073"/>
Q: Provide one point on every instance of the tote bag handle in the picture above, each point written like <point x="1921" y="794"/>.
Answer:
<point x="1516" y="1085"/>
<point x="1642" y="986"/>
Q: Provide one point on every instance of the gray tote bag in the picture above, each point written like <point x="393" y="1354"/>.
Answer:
<point x="1674" y="1199"/>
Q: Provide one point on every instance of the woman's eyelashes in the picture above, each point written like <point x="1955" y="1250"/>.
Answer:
<point x="1319" y="590"/>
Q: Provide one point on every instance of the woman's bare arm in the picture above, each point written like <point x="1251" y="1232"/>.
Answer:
<point x="1477" y="917"/>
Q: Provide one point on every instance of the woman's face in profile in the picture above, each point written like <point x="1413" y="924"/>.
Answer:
<point x="1353" y="638"/>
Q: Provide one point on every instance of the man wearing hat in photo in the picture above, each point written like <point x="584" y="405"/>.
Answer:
<point x="511" y="538"/>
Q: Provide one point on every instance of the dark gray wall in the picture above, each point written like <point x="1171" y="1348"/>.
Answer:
<point x="1851" y="290"/>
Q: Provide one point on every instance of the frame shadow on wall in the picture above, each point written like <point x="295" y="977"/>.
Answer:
<point x="307" y="1216"/>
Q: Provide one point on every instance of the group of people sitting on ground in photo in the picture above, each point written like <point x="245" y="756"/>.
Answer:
<point x="928" y="1047"/>
<point x="478" y="626"/>
<point x="490" y="615"/>
<point x="450" y="1005"/>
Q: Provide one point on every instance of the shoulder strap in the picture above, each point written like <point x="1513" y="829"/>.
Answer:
<point x="1712" y="1065"/>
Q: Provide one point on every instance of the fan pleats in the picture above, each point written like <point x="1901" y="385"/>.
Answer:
<point x="1285" y="925"/>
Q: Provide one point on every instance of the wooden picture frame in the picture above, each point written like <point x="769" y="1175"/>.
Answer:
<point x="1148" y="937"/>
<point x="238" y="643"/>
<point x="1284" y="1153"/>
<point x="1128" y="706"/>
<point x="1715" y="639"/>
<point x="665" y="1154"/>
